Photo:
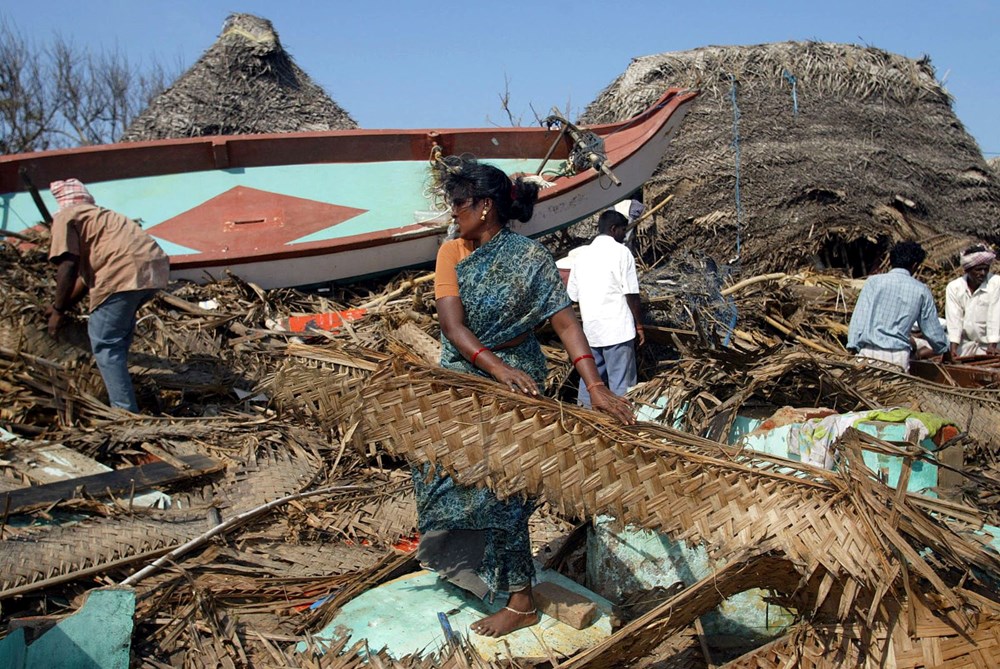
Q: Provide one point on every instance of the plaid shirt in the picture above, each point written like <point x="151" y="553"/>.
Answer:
<point x="887" y="308"/>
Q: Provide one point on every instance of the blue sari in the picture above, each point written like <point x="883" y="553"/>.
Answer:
<point x="508" y="286"/>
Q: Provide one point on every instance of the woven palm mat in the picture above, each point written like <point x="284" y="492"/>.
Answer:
<point x="303" y="384"/>
<point x="852" y="545"/>
<point x="285" y="560"/>
<point x="358" y="656"/>
<point x="66" y="553"/>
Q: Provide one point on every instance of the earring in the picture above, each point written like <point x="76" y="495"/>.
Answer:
<point x="485" y="211"/>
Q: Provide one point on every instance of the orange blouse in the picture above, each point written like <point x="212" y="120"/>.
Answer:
<point x="445" y="275"/>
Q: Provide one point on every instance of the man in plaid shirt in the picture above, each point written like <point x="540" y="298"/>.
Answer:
<point x="889" y="305"/>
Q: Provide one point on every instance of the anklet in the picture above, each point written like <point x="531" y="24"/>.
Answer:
<point x="521" y="613"/>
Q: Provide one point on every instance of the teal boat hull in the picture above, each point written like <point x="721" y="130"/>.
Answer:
<point x="308" y="208"/>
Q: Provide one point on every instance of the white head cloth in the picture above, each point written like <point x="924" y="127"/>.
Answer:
<point x="970" y="260"/>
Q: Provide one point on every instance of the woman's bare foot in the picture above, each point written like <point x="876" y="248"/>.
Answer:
<point x="519" y="612"/>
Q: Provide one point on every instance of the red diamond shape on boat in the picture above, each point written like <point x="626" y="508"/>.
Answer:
<point x="247" y="222"/>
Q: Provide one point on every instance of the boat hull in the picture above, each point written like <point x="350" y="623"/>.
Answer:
<point x="312" y="208"/>
<point x="975" y="372"/>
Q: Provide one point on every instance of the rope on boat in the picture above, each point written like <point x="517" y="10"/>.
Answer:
<point x="588" y="150"/>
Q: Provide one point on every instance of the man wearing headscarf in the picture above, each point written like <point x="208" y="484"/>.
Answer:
<point x="102" y="252"/>
<point x="972" y="305"/>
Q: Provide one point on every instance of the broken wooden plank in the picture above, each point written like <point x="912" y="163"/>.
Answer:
<point x="128" y="480"/>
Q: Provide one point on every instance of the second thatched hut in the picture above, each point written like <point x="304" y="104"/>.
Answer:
<point x="807" y="154"/>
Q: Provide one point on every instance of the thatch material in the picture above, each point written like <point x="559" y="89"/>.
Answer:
<point x="245" y="83"/>
<point x="994" y="163"/>
<point x="863" y="150"/>
<point x="874" y="574"/>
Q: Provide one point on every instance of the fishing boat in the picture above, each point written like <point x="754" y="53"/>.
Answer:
<point x="979" y="371"/>
<point x="310" y="208"/>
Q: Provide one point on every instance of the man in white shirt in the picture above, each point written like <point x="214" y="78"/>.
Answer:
<point x="971" y="307"/>
<point x="604" y="282"/>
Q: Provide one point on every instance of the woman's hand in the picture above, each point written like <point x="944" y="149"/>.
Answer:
<point x="602" y="399"/>
<point x="516" y="380"/>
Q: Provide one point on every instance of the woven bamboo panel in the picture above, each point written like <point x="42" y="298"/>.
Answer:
<point x="58" y="554"/>
<point x="273" y="472"/>
<point x="316" y="391"/>
<point x="340" y="656"/>
<point x="20" y="334"/>
<point x="975" y="412"/>
<point x="382" y="521"/>
<point x="64" y="551"/>
<point x="421" y="343"/>
<point x="486" y="436"/>
<point x="849" y="545"/>
<point x="804" y="648"/>
<point x="801" y="649"/>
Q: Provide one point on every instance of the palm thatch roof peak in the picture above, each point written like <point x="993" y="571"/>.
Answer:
<point x="245" y="83"/>
<point x="835" y="151"/>
<point x="251" y="32"/>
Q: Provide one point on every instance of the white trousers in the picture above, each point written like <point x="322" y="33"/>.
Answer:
<point x="899" y="359"/>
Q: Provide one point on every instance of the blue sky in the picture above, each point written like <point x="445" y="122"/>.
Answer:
<point x="395" y="64"/>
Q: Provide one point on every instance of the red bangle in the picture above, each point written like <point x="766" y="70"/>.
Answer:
<point x="585" y="355"/>
<point x="476" y="355"/>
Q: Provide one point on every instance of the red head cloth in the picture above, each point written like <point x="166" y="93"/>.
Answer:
<point x="70" y="192"/>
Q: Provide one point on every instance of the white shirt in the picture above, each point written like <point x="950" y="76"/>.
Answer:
<point x="603" y="274"/>
<point x="973" y="316"/>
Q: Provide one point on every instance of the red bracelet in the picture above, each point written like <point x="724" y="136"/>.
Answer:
<point x="595" y="383"/>
<point x="585" y="355"/>
<point x="476" y="355"/>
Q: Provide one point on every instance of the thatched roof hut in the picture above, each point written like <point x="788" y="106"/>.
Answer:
<point x="840" y="149"/>
<point x="245" y="83"/>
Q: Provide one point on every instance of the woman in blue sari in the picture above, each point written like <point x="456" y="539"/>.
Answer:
<point x="493" y="288"/>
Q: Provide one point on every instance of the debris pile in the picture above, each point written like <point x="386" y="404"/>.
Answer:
<point x="277" y="488"/>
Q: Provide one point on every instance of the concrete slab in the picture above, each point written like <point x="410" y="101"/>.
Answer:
<point x="401" y="616"/>
<point x="98" y="636"/>
<point x="627" y="560"/>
